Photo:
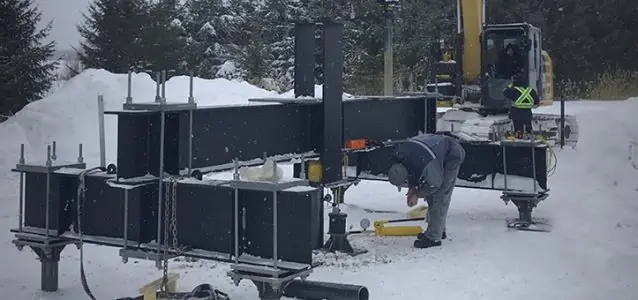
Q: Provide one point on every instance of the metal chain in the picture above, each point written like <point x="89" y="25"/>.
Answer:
<point x="166" y="225"/>
<point x="174" y="218"/>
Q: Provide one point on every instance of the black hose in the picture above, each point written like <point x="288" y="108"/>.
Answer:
<point x="316" y="290"/>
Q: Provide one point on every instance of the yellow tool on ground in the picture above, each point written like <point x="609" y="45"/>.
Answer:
<point x="149" y="291"/>
<point x="417" y="214"/>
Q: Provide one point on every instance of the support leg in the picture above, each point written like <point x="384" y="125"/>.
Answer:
<point x="49" y="256"/>
<point x="267" y="292"/>
<point x="338" y="240"/>
<point x="525" y="205"/>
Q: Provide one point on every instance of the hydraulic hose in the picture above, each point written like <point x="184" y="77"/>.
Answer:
<point x="316" y="290"/>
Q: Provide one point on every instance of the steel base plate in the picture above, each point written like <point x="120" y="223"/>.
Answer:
<point x="537" y="225"/>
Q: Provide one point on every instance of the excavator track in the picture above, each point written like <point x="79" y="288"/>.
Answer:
<point x="471" y="126"/>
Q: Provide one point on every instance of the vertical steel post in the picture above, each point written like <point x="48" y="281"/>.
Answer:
<point x="236" y="210"/>
<point x="21" y="193"/>
<point x="191" y="100"/>
<point x="504" y="166"/>
<point x="126" y="202"/>
<point x="332" y="104"/>
<point x="275" y="240"/>
<point x="158" y="82"/>
<point x="304" y="60"/>
<point x="100" y="116"/>
<point x="129" y="98"/>
<point x="562" y="123"/>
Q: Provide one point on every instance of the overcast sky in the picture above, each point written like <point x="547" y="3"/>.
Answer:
<point x="65" y="14"/>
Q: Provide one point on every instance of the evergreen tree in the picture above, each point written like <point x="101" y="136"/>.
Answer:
<point x="112" y="32"/>
<point x="164" y="38"/>
<point x="279" y="17"/>
<point x="26" y="63"/>
<point x="213" y="28"/>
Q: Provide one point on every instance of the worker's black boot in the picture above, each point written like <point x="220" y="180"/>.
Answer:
<point x="421" y="236"/>
<point x="426" y="243"/>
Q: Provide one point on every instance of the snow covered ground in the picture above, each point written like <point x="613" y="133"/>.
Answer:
<point x="592" y="252"/>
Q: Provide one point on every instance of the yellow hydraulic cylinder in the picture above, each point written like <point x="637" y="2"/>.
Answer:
<point x="315" y="171"/>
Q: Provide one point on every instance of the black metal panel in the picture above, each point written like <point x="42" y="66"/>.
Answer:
<point x="103" y="211"/>
<point x="430" y="115"/>
<point x="482" y="162"/>
<point x="222" y="134"/>
<point x="205" y="217"/>
<point x="132" y="144"/>
<point x="304" y="59"/>
<point x="297" y="218"/>
<point x="35" y="202"/>
<point x="519" y="163"/>
<point x="172" y="142"/>
<point x="331" y="155"/>
<point x="383" y="120"/>
<point x="139" y="143"/>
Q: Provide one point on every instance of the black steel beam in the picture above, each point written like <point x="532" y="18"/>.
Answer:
<point x="332" y="104"/>
<point x="304" y="60"/>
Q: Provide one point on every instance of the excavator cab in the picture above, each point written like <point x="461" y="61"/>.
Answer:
<point x="508" y="49"/>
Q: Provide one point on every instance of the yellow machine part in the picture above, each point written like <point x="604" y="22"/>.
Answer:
<point x="149" y="291"/>
<point x="548" y="80"/>
<point x="315" y="171"/>
<point x="472" y="18"/>
<point x="380" y="228"/>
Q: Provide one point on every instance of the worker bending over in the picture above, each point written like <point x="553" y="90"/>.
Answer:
<point x="428" y="165"/>
<point x="523" y="98"/>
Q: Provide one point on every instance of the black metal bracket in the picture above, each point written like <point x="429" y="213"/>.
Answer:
<point x="338" y="240"/>
<point x="526" y="204"/>
<point x="48" y="252"/>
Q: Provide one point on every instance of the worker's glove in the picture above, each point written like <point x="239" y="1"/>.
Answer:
<point x="411" y="198"/>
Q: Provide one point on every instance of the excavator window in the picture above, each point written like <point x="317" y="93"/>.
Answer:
<point x="505" y="53"/>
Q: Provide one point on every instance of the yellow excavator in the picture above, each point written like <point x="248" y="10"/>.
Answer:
<point x="472" y="85"/>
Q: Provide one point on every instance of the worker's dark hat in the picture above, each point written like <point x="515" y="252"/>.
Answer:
<point x="398" y="175"/>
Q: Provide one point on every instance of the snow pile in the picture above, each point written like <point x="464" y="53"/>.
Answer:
<point x="269" y="171"/>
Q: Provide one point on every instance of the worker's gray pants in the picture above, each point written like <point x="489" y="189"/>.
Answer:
<point x="439" y="202"/>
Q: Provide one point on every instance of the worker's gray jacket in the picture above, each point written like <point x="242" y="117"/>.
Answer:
<point x="428" y="158"/>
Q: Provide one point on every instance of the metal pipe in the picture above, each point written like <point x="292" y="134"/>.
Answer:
<point x="164" y="86"/>
<point x="158" y="79"/>
<point x="21" y="160"/>
<point x="129" y="98"/>
<point x="316" y="290"/>
<point x="160" y="186"/>
<point x="484" y="15"/>
<point x="80" y="157"/>
<point x="100" y="117"/>
<point x="562" y="123"/>
<point x="125" y="218"/>
<point x="458" y="18"/>
<point x="21" y="209"/>
<point x="236" y="211"/>
<point x="504" y="166"/>
<point x="534" y="160"/>
<point x="48" y="156"/>
<point x="54" y="156"/>
<point x="21" y="201"/>
<point x="275" y="248"/>
<point x="191" y="100"/>
<point x="47" y="203"/>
